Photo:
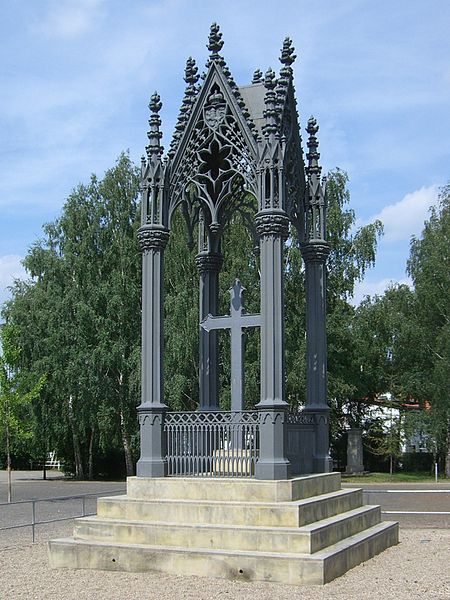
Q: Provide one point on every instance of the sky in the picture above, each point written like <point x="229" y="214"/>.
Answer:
<point x="77" y="76"/>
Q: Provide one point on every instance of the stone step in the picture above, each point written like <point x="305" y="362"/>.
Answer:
<point x="270" y="514"/>
<point x="233" y="489"/>
<point x="306" y="539"/>
<point x="292" y="568"/>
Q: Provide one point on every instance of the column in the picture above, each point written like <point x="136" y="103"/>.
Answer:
<point x="315" y="255"/>
<point x="272" y="228"/>
<point x="151" y="411"/>
<point x="209" y="265"/>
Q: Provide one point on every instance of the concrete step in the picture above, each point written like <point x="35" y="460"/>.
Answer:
<point x="270" y="514"/>
<point x="293" y="568"/>
<point x="233" y="489"/>
<point x="306" y="539"/>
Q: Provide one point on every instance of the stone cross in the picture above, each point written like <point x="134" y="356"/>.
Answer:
<point x="235" y="322"/>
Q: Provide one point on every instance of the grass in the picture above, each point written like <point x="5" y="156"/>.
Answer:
<point x="401" y="477"/>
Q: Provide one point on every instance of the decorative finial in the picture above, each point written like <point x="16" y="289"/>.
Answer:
<point x="312" y="127"/>
<point x="155" y="103"/>
<point x="269" y="80"/>
<point x="215" y="42"/>
<point x="271" y="111"/>
<point x="287" y="52"/>
<point x="191" y="72"/>
<point x="257" y="76"/>
<point x="154" y="147"/>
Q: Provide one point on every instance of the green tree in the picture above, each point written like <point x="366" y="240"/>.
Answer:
<point x="15" y="418"/>
<point x="429" y="267"/>
<point x="79" y="319"/>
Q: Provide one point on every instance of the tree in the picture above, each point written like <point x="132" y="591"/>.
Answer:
<point x="14" y="401"/>
<point x="429" y="267"/>
<point x="83" y="328"/>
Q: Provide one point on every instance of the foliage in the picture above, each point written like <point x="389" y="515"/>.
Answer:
<point x="79" y="320"/>
<point x="15" y="417"/>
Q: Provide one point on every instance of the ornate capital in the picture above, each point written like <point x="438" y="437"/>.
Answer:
<point x="150" y="238"/>
<point x="272" y="224"/>
<point x="315" y="251"/>
<point x="209" y="261"/>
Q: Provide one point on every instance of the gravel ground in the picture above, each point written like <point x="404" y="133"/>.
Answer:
<point x="418" y="568"/>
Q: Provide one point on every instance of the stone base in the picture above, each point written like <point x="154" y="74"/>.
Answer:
<point x="300" y="531"/>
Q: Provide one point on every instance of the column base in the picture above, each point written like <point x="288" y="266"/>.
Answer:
<point x="272" y="470"/>
<point x="151" y="468"/>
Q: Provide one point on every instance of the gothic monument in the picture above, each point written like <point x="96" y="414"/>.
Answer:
<point x="241" y="494"/>
<point x="232" y="143"/>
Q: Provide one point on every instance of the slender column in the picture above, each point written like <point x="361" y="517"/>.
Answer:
<point x="151" y="411"/>
<point x="209" y="265"/>
<point x="315" y="254"/>
<point x="272" y="463"/>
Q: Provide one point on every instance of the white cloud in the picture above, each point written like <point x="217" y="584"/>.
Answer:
<point x="374" y="288"/>
<point x="406" y="217"/>
<point x="69" y="19"/>
<point x="10" y="269"/>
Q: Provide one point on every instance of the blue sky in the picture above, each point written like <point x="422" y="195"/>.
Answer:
<point x="77" y="75"/>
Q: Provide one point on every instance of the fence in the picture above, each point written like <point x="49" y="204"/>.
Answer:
<point x="36" y="501"/>
<point x="226" y="444"/>
<point x="212" y="444"/>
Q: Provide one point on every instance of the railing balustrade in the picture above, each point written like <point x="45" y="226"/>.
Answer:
<point x="212" y="444"/>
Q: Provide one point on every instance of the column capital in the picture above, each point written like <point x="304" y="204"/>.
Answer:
<point x="152" y="238"/>
<point x="315" y="251"/>
<point x="272" y="223"/>
<point x="209" y="262"/>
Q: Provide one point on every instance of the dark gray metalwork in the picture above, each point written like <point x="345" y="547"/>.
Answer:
<point x="315" y="251"/>
<point x="212" y="444"/>
<point x="236" y="149"/>
<point x="236" y="321"/>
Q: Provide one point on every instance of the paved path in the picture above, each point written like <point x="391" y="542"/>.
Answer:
<point x="413" y="505"/>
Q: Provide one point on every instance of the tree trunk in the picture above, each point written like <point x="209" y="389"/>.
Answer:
<point x="126" y="447"/>
<point x="391" y="464"/>
<point x="8" y="462"/>
<point x="79" y="471"/>
<point x="91" y="456"/>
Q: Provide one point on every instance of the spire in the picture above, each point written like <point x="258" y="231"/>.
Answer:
<point x="154" y="148"/>
<point x="315" y="188"/>
<point x="191" y="77"/>
<point x="271" y="112"/>
<point x="313" y="169"/>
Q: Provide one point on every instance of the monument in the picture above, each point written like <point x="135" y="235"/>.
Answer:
<point x="242" y="493"/>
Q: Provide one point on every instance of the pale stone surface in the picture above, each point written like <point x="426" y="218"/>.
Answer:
<point x="311" y="538"/>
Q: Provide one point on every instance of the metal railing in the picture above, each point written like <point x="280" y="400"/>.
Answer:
<point x="212" y="444"/>
<point x="35" y="501"/>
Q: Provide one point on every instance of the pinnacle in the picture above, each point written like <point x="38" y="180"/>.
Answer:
<point x="215" y="42"/>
